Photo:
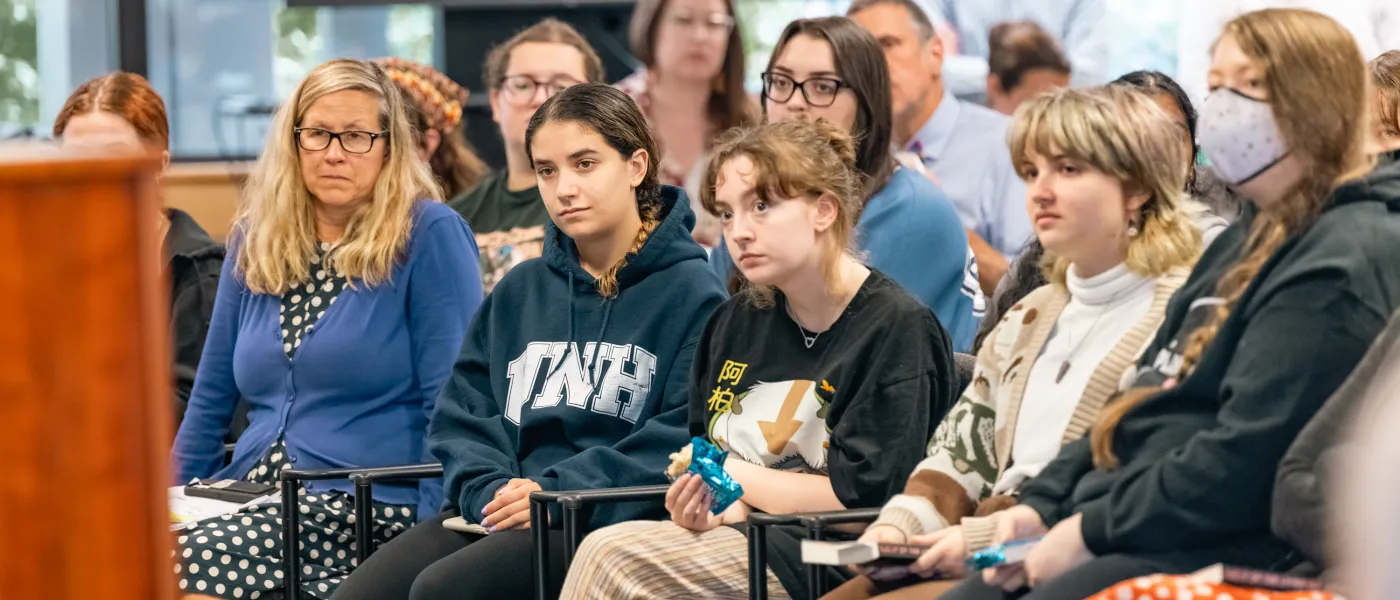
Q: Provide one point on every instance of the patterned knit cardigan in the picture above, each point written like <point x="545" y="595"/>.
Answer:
<point x="972" y="446"/>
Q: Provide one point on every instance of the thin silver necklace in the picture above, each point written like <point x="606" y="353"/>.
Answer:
<point x="809" y="340"/>
<point x="1075" y="347"/>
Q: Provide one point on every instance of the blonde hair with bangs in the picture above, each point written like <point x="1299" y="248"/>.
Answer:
<point x="1124" y="134"/>
<point x="276" y="224"/>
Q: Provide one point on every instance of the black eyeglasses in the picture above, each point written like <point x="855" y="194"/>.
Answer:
<point x="313" y="139"/>
<point x="521" y="89"/>
<point x="817" y="91"/>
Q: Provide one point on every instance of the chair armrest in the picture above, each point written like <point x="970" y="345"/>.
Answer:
<point x="400" y="473"/>
<point x="294" y="475"/>
<point x="822" y="520"/>
<point x="577" y="499"/>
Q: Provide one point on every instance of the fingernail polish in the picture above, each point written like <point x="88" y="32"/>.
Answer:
<point x="492" y="529"/>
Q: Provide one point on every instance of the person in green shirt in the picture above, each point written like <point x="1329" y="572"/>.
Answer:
<point x="505" y="211"/>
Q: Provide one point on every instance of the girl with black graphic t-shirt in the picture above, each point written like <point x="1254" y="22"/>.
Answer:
<point x="822" y="378"/>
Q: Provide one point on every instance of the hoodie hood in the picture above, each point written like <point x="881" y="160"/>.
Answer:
<point x="187" y="239"/>
<point x="668" y="244"/>
<point x="1382" y="184"/>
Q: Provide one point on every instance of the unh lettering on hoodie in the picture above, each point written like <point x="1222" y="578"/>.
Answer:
<point x="618" y="369"/>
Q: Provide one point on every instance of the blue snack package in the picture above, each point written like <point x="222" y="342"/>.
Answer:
<point x="707" y="461"/>
<point x="998" y="555"/>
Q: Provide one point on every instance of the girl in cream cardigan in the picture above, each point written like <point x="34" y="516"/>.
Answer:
<point x="1104" y="177"/>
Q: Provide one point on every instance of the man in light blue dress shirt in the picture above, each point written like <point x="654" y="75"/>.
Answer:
<point x="962" y="145"/>
<point x="1081" y="26"/>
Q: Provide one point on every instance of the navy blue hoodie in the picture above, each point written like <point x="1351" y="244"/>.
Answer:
<point x="532" y="396"/>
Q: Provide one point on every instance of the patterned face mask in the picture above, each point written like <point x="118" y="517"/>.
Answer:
<point x="1239" y="135"/>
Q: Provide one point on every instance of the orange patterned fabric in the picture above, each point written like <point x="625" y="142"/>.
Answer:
<point x="440" y="99"/>
<point x="1186" y="587"/>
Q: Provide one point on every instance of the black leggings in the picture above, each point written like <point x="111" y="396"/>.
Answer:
<point x="430" y="562"/>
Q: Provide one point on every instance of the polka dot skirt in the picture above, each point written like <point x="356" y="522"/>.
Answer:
<point x="240" y="555"/>
<point x="305" y="304"/>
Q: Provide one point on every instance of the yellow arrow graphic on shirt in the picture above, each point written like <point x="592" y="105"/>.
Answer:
<point x="779" y="433"/>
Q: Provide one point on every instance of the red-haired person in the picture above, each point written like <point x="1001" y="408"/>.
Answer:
<point x="119" y="112"/>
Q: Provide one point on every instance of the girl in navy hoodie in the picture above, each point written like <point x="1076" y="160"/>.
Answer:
<point x="574" y="374"/>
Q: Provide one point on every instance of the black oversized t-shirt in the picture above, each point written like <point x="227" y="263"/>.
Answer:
<point x="858" y="406"/>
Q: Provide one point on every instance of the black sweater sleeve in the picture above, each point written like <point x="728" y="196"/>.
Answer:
<point x="1049" y="492"/>
<point x="1299" y="511"/>
<point x="1294" y="353"/>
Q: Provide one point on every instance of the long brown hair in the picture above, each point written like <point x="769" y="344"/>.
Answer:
<point x="729" y="104"/>
<point x="860" y="63"/>
<point x="613" y="115"/>
<point x="126" y="95"/>
<point x="1316" y="81"/>
<point x="795" y="159"/>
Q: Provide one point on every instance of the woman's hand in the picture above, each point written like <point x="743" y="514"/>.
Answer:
<point x="511" y="507"/>
<point x="1015" y="523"/>
<point x="1061" y="551"/>
<point x="688" y="500"/>
<point x="946" y="557"/>
<point x="882" y="534"/>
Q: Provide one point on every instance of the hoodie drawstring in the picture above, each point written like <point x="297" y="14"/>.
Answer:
<point x="602" y="331"/>
<point x="569" y="346"/>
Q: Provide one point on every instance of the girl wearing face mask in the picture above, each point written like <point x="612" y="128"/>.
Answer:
<point x="820" y="378"/>
<point x="832" y="69"/>
<point x="1106" y="201"/>
<point x="691" y="87"/>
<point x="574" y="374"/>
<point x="1176" y="474"/>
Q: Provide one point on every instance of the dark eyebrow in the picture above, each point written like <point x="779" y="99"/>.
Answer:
<point x="824" y="74"/>
<point x="582" y="153"/>
<point x="781" y="68"/>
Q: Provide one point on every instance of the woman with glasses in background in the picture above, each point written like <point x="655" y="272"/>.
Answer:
<point x="831" y="69"/>
<point x="505" y="210"/>
<point x="691" y="88"/>
<point x="340" y="311"/>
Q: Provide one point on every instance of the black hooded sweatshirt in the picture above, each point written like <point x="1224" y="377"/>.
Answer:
<point x="1197" y="461"/>
<point x="193" y="260"/>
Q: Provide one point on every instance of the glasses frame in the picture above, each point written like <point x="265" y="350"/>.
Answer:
<point x="335" y="137"/>
<point x="509" y="96"/>
<point x="725" y="21"/>
<point x="802" y="86"/>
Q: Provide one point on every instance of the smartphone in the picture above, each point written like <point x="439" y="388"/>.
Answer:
<point x="229" y="490"/>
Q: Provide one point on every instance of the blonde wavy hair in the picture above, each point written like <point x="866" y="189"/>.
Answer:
<point x="276" y="223"/>
<point x="795" y="159"/>
<point x="1123" y="133"/>
<point x="1317" y="87"/>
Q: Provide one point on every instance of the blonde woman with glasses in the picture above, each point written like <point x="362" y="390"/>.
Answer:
<point x="347" y="293"/>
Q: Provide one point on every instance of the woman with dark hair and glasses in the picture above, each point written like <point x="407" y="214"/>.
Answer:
<point x="343" y="302"/>
<point x="831" y="69"/>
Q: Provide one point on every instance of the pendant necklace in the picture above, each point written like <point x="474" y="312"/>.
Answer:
<point x="1075" y="347"/>
<point x="808" y="340"/>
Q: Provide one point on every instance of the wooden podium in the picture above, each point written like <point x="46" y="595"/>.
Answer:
<point x="84" y="384"/>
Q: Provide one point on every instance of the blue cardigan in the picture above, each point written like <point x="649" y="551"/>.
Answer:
<point x="360" y="389"/>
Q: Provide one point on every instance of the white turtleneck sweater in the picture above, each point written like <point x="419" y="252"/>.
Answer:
<point x="1100" y="312"/>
